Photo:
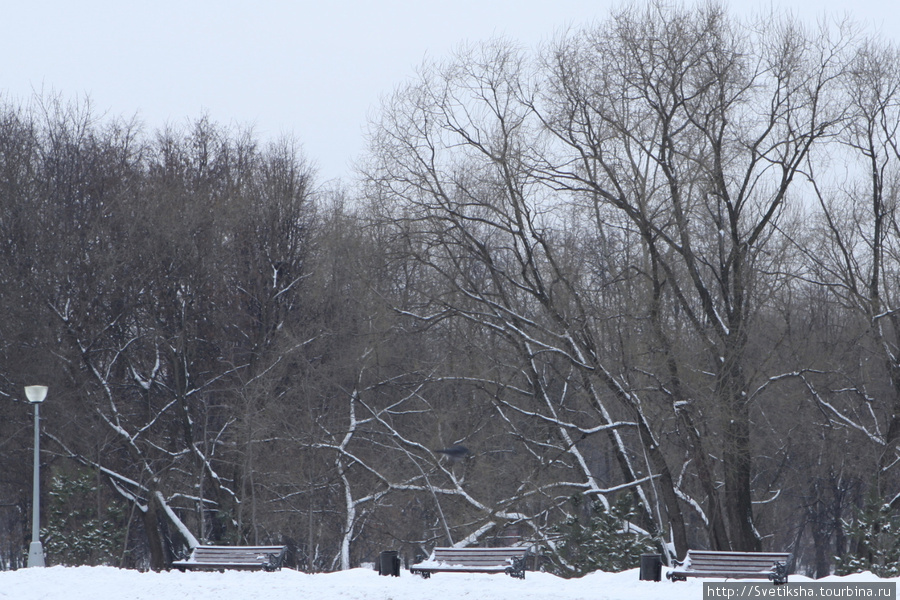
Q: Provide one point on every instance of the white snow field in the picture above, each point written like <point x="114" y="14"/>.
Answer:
<point x="107" y="583"/>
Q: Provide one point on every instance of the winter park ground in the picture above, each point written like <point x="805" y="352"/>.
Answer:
<point x="107" y="583"/>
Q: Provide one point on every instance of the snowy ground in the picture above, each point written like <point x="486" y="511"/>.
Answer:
<point x="106" y="583"/>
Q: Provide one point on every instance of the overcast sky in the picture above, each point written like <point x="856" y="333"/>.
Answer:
<point x="314" y="70"/>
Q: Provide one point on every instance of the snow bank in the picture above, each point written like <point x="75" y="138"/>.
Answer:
<point x="106" y="583"/>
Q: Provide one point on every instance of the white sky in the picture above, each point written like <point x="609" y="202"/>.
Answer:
<point x="313" y="69"/>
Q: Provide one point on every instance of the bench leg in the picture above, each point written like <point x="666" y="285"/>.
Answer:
<point x="779" y="574"/>
<point x="517" y="569"/>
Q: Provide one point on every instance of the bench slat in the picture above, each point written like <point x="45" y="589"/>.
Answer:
<point x="716" y="564"/>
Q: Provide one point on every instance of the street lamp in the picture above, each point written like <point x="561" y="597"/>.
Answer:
<point x="36" y="395"/>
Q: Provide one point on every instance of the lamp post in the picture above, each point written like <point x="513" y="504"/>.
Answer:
<point x="36" y="395"/>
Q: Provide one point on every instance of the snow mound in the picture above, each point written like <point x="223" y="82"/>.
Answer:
<point x="107" y="583"/>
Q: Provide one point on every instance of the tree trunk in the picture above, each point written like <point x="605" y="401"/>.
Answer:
<point x="158" y="558"/>
<point x="737" y="456"/>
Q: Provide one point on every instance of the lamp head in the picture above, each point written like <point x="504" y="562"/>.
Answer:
<point x="35" y="393"/>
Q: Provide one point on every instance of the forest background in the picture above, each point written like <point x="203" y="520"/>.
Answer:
<point x="647" y="271"/>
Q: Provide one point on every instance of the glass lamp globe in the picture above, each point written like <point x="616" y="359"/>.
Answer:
<point x="36" y="393"/>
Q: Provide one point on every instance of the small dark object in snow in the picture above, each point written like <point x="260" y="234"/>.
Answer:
<point x="454" y="453"/>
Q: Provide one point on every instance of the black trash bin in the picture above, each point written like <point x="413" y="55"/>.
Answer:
<point x="389" y="563"/>
<point x="651" y="567"/>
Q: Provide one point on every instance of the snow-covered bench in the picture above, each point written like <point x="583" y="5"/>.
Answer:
<point x="249" y="558"/>
<point x="732" y="565"/>
<point x="474" y="560"/>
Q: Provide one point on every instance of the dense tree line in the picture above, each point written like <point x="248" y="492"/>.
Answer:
<point x="650" y="269"/>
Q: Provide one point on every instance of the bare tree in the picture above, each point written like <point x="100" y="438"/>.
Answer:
<point x="854" y="255"/>
<point x="691" y="130"/>
<point x="669" y="138"/>
<point x="456" y="173"/>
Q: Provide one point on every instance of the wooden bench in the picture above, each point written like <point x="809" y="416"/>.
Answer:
<point x="732" y="565"/>
<point x="474" y="560"/>
<point x="248" y="558"/>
